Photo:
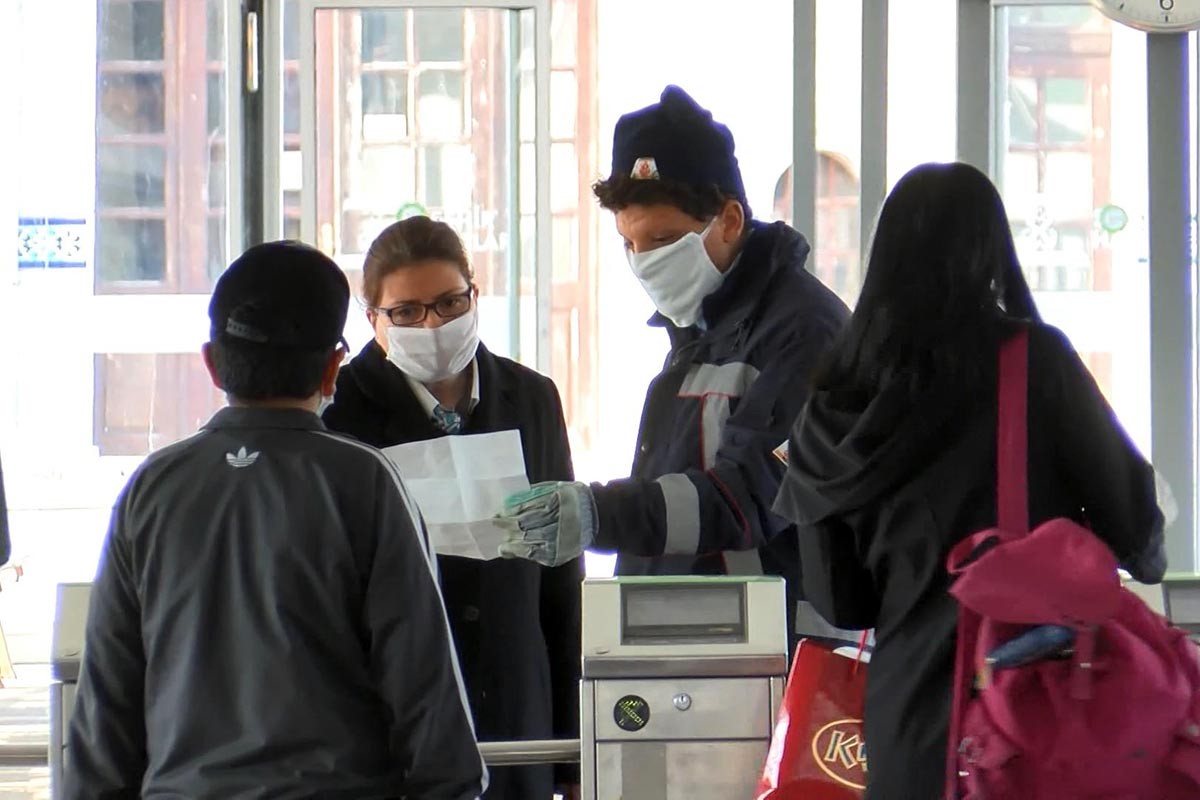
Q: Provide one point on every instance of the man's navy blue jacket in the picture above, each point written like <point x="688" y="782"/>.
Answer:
<point x="706" y="471"/>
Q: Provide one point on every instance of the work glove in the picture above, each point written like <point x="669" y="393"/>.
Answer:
<point x="552" y="523"/>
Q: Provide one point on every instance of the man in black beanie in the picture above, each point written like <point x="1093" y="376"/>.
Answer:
<point x="747" y="325"/>
<point x="266" y="618"/>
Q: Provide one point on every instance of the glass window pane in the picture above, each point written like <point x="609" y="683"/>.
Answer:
<point x="1062" y="16"/>
<point x="215" y="41"/>
<point x="564" y="104"/>
<point x="128" y="390"/>
<point x="215" y="103"/>
<point x="131" y="31"/>
<point x="566" y="248"/>
<point x="921" y="74"/>
<point x="217" y="260"/>
<point x="291" y="228"/>
<point x="440" y="105"/>
<point x="386" y="93"/>
<point x="422" y="136"/>
<point x="527" y="105"/>
<point x="291" y="101"/>
<point x="528" y="226"/>
<point x="216" y="176"/>
<point x="447" y="178"/>
<point x="131" y="104"/>
<point x="1068" y="185"/>
<point x="1020" y="179"/>
<point x="1023" y="111"/>
<point x="438" y="34"/>
<point x="839" y="122"/>
<point x="564" y="173"/>
<point x="384" y="35"/>
<point x="131" y="250"/>
<point x="130" y="176"/>
<point x="564" y="33"/>
<point x="388" y="177"/>
<point x="527" y="169"/>
<point x="1068" y="110"/>
<point x="1091" y="284"/>
<point x="291" y="31"/>
<point x="291" y="176"/>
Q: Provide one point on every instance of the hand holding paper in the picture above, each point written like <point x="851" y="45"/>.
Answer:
<point x="551" y="524"/>
<point x="460" y="483"/>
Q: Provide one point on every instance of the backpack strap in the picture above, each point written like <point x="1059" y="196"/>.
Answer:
<point x="1012" y="439"/>
<point x="1012" y="512"/>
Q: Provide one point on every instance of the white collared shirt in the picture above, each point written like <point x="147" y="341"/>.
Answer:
<point x="429" y="402"/>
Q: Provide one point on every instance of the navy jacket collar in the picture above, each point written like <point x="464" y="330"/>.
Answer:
<point x="254" y="417"/>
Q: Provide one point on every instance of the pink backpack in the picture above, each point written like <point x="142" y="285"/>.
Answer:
<point x="1116" y="717"/>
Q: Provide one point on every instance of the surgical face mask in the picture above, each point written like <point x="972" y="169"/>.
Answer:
<point x="678" y="276"/>
<point x="435" y="354"/>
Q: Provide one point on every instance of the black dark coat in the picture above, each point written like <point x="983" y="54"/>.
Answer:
<point x="265" y="623"/>
<point x="515" y="623"/>
<point x="881" y="489"/>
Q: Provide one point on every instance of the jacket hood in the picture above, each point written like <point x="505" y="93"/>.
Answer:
<point x="848" y="450"/>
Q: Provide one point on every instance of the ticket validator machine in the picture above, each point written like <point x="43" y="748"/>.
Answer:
<point x="70" y="620"/>
<point x="1181" y="602"/>
<point x="682" y="677"/>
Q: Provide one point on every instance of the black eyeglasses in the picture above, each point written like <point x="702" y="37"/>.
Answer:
<point x="448" y="307"/>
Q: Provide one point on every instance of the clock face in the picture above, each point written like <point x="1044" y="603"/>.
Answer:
<point x="1154" y="16"/>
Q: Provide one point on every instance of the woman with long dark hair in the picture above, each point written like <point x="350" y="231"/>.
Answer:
<point x="893" y="460"/>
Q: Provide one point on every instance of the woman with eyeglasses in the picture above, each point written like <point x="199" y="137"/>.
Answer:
<point x="425" y="375"/>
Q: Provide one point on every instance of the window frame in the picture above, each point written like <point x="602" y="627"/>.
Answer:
<point x="187" y="210"/>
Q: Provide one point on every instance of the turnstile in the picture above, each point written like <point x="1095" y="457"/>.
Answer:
<point x="1181" y="602"/>
<point x="70" y="620"/>
<point x="682" y="677"/>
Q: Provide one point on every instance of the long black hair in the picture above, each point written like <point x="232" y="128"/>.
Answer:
<point x="942" y="279"/>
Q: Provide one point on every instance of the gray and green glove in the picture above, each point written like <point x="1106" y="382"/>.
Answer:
<point x="552" y="523"/>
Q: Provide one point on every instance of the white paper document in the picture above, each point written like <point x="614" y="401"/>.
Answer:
<point x="460" y="483"/>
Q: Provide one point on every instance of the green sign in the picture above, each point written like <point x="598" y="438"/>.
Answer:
<point x="1113" y="218"/>
<point x="413" y="209"/>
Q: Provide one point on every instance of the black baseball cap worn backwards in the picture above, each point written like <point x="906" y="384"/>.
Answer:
<point x="281" y="294"/>
<point x="677" y="140"/>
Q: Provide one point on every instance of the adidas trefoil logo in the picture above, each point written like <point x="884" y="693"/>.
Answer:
<point x="241" y="459"/>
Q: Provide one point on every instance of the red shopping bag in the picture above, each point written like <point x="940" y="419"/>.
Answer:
<point x="817" y="751"/>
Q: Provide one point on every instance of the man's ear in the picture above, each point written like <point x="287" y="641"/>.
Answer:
<point x="733" y="221"/>
<point x="207" y="354"/>
<point x="329" y="377"/>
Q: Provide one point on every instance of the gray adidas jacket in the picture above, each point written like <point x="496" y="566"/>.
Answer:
<point x="266" y="622"/>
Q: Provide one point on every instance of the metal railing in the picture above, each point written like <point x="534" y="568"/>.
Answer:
<point x="547" y="751"/>
<point x="495" y="754"/>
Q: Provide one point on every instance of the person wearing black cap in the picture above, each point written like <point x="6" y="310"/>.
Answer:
<point x="747" y="325"/>
<point x="266" y="619"/>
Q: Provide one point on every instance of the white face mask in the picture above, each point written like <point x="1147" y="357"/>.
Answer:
<point x="678" y="276"/>
<point x="435" y="354"/>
